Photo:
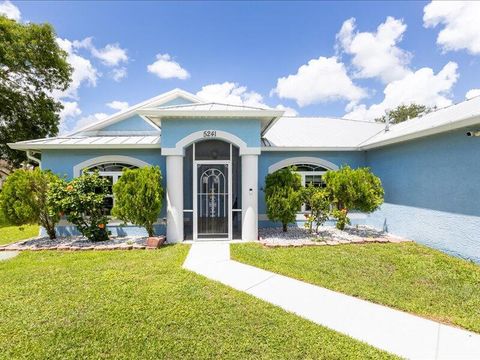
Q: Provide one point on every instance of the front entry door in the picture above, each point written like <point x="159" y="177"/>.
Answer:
<point x="213" y="206"/>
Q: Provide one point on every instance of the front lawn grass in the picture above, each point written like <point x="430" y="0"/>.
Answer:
<point x="143" y="305"/>
<point x="10" y="233"/>
<point x="405" y="276"/>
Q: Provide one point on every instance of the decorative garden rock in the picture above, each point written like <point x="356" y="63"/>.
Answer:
<point x="326" y="235"/>
<point x="79" y="243"/>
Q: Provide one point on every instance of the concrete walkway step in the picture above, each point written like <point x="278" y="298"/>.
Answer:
<point x="391" y="330"/>
<point x="5" y="255"/>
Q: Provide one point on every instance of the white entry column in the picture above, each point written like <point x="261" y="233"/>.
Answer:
<point x="249" y="197"/>
<point x="174" y="198"/>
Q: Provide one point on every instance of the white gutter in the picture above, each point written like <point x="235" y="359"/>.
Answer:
<point x="33" y="158"/>
<point x="316" y="148"/>
<point x="19" y="146"/>
<point x="168" y="113"/>
<point x="454" y="125"/>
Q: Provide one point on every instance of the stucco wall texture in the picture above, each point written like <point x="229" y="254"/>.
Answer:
<point x="432" y="191"/>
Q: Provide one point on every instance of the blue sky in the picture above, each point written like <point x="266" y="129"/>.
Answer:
<point x="310" y="58"/>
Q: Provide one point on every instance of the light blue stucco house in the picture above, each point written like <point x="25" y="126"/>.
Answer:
<point x="214" y="158"/>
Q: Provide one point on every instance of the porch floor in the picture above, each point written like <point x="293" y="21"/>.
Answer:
<point x="391" y="330"/>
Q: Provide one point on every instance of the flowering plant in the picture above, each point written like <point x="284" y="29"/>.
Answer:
<point x="82" y="201"/>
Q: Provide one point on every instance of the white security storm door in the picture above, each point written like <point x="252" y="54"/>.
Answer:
<point x="213" y="204"/>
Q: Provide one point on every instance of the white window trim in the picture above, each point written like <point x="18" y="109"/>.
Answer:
<point x="302" y="160"/>
<point x="303" y="175"/>
<point x="77" y="169"/>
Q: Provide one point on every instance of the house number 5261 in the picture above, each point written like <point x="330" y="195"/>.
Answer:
<point x="209" y="133"/>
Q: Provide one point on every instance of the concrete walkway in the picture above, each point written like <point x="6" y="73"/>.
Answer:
<point x="394" y="331"/>
<point x="5" y="255"/>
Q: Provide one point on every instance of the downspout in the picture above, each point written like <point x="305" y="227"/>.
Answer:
<point x="33" y="158"/>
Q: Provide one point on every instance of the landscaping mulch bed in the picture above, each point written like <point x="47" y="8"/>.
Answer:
<point x="326" y="235"/>
<point x="77" y="243"/>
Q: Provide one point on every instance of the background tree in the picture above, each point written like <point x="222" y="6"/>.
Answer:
<point x="283" y="196"/>
<point x="353" y="189"/>
<point x="24" y="200"/>
<point x="404" y="112"/>
<point x="32" y="67"/>
<point x="82" y="201"/>
<point x="139" y="197"/>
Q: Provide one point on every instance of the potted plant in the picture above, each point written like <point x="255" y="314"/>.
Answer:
<point x="138" y="200"/>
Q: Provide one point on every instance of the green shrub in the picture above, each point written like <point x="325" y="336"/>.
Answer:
<point x="139" y="197"/>
<point x="341" y="217"/>
<point x="319" y="205"/>
<point x="283" y="196"/>
<point x="353" y="189"/>
<point x="82" y="202"/>
<point x="24" y="200"/>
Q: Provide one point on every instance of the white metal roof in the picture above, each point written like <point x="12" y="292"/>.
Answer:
<point x="267" y="116"/>
<point x="466" y="113"/>
<point x="88" y="142"/>
<point x="212" y="106"/>
<point x="279" y="133"/>
<point x="300" y="133"/>
<point x="132" y="110"/>
<point x="319" y="133"/>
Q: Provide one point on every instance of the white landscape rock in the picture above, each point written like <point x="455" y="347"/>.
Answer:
<point x="77" y="243"/>
<point x="330" y="235"/>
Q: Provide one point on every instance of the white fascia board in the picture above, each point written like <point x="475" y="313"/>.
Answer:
<point x="454" y="125"/>
<point x="270" y="124"/>
<point x="19" y="146"/>
<point x="299" y="148"/>
<point x="132" y="110"/>
<point x="166" y="113"/>
<point x="98" y="133"/>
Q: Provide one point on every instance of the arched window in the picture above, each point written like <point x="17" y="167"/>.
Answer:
<point x="112" y="171"/>
<point x="310" y="174"/>
<point x="310" y="169"/>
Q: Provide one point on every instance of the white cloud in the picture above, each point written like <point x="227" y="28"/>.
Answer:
<point x="422" y="87"/>
<point x="167" y="68"/>
<point x="288" y="110"/>
<point x="376" y="54"/>
<point x="10" y="10"/>
<point x="472" y="93"/>
<point x="118" y="105"/>
<point x="461" y="24"/>
<point x="85" y="73"/>
<point x="110" y="55"/>
<point x="83" y="70"/>
<point x="70" y="109"/>
<point x="119" y="73"/>
<point x="233" y="93"/>
<point x="320" y="80"/>
<point x="88" y="120"/>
